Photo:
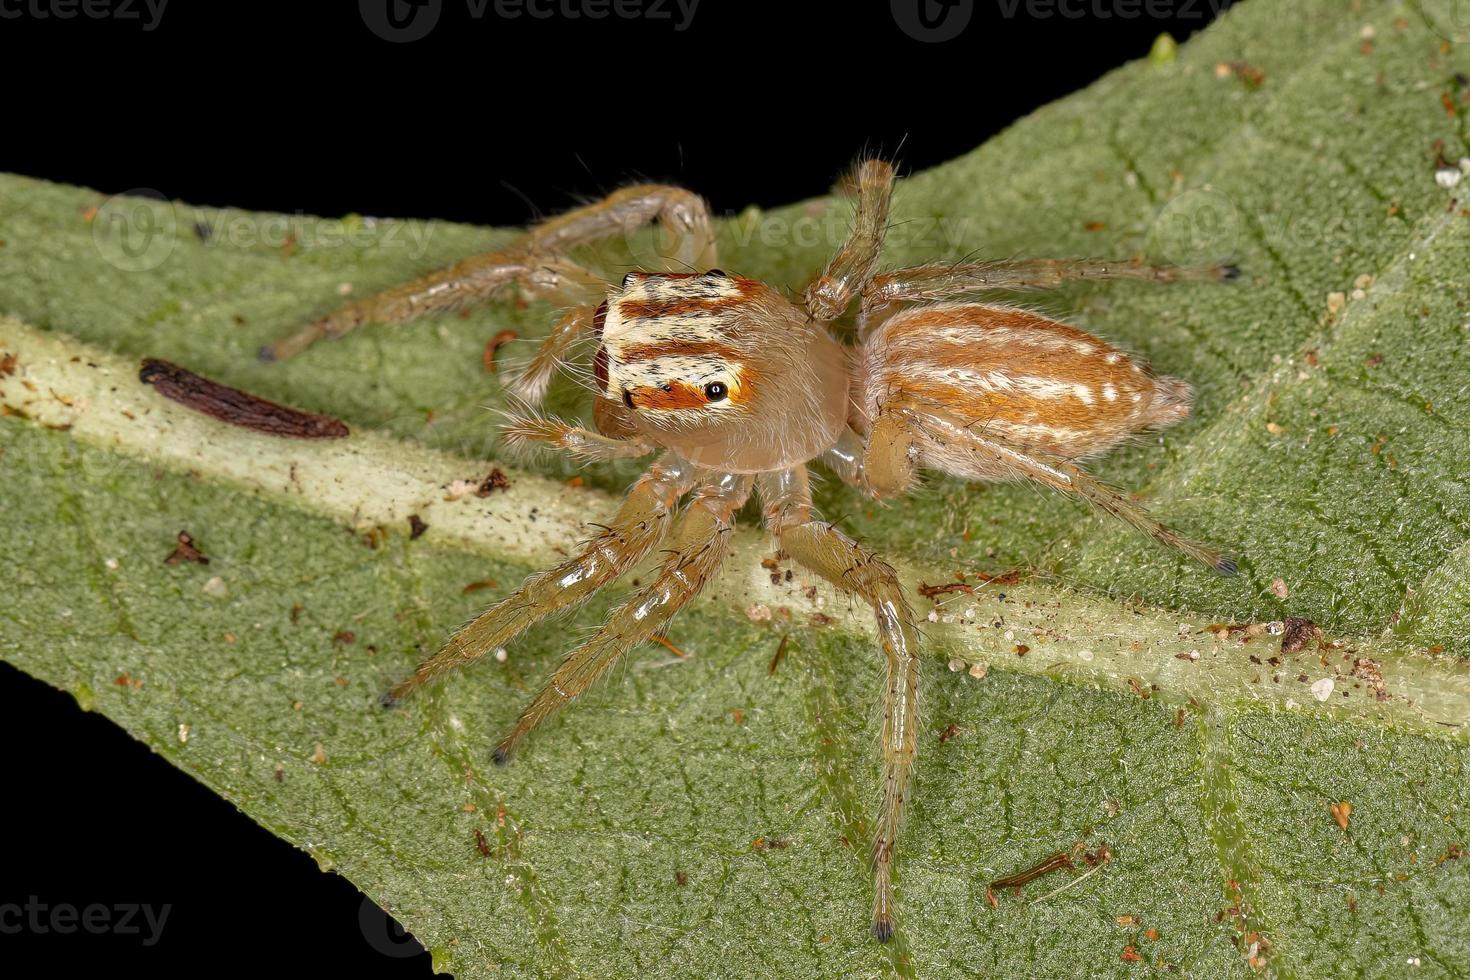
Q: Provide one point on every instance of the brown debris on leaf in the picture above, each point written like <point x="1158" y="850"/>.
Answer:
<point x="1371" y="672"/>
<point x="493" y="346"/>
<point x="496" y="480"/>
<point x="416" y="527"/>
<point x="780" y="653"/>
<point x="235" y="407"/>
<point x="186" y="551"/>
<point x="1341" y="814"/>
<point x="7" y="365"/>
<point x="930" y="591"/>
<point x="1298" y="632"/>
<point x="1252" y="76"/>
<point x="1047" y="865"/>
<point x="1002" y="578"/>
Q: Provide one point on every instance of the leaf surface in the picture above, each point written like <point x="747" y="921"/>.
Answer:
<point x="1326" y="449"/>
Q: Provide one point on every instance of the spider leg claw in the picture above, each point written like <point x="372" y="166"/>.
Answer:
<point x="1226" y="566"/>
<point x="501" y="755"/>
<point x="883" y="930"/>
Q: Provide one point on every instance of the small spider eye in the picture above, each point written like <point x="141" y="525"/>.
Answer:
<point x="716" y="391"/>
<point x="628" y="398"/>
<point x="718" y="273"/>
<point x="631" y="278"/>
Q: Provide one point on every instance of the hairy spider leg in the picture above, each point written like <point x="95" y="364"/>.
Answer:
<point x="946" y="280"/>
<point x="699" y="545"/>
<point x="853" y="264"/>
<point x="639" y="526"/>
<point x="822" y="548"/>
<point x="911" y="422"/>
<point x="533" y="260"/>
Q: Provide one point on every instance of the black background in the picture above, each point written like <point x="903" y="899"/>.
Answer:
<point x="302" y="108"/>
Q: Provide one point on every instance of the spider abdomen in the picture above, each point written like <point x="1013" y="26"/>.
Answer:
<point x="1018" y="375"/>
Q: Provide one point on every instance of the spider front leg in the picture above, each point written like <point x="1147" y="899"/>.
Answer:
<point x="849" y="269"/>
<point x="470" y="281"/>
<point x="638" y="527"/>
<point x="820" y="547"/>
<point x="577" y="442"/>
<point x="535" y="260"/>
<point x="700" y="543"/>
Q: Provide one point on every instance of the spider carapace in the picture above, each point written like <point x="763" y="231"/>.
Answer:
<point x="738" y="390"/>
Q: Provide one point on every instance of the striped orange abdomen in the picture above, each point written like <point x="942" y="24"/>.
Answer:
<point x="1016" y="375"/>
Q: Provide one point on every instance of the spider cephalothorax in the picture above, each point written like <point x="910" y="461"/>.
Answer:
<point x="739" y="389"/>
<point x="721" y="369"/>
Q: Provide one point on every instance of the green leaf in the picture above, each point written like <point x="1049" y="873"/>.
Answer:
<point x="1299" y="140"/>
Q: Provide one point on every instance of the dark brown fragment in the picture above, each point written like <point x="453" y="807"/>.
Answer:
<point x="416" y="527"/>
<point x="186" y="551"/>
<point x="7" y="365"/>
<point x="481" y="844"/>
<point x="1004" y="578"/>
<point x="930" y="591"/>
<point x="1297" y="633"/>
<point x="681" y="878"/>
<point x="494" y="345"/>
<point x="949" y="733"/>
<point x="780" y="652"/>
<point x="236" y="407"/>
<point x="495" y="481"/>
<point x="1058" y="861"/>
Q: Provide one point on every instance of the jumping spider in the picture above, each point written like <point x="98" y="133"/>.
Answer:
<point x="739" y="389"/>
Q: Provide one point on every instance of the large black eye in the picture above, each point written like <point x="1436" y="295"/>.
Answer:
<point x="716" y="391"/>
<point x="719" y="273"/>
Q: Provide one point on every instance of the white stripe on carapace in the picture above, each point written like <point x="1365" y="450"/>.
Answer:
<point x="636" y="324"/>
